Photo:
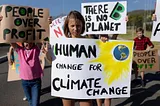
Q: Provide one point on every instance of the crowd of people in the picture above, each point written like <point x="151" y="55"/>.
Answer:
<point x="31" y="71"/>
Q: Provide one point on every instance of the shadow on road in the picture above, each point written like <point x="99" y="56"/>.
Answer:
<point x="148" y="78"/>
<point x="138" y="94"/>
<point x="152" y="77"/>
<point x="52" y="102"/>
<point x="155" y="102"/>
<point x="46" y="90"/>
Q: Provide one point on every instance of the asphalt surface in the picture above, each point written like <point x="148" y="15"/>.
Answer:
<point x="11" y="93"/>
<point x="3" y="50"/>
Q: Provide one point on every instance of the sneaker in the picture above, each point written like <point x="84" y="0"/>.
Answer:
<point x="25" y="98"/>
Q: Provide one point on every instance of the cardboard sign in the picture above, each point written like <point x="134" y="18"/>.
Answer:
<point x="156" y="24"/>
<point x="146" y="60"/>
<point x="105" y="17"/>
<point x="13" y="70"/>
<point x="22" y="23"/>
<point x="91" y="69"/>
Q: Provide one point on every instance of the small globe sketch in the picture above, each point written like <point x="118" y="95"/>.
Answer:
<point x="121" y="52"/>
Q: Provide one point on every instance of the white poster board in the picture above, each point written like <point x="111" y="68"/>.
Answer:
<point x="90" y="69"/>
<point x="56" y="28"/>
<point x="156" y="24"/>
<point x="105" y="17"/>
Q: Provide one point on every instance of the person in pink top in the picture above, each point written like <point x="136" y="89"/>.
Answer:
<point x="30" y="71"/>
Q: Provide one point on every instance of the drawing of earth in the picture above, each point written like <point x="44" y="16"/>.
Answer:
<point x="121" y="52"/>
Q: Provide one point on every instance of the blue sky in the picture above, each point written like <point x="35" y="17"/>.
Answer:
<point x="57" y="7"/>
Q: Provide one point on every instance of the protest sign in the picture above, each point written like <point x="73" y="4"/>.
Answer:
<point x="146" y="60"/>
<point x="56" y="28"/>
<point x="13" y="70"/>
<point x="91" y="69"/>
<point x="105" y="17"/>
<point x="156" y="24"/>
<point x="23" y="24"/>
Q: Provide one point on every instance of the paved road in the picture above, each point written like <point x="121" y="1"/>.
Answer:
<point x="3" y="50"/>
<point x="11" y="93"/>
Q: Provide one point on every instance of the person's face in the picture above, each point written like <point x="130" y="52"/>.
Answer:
<point x="139" y="34"/>
<point x="75" y="27"/>
<point x="104" y="37"/>
<point x="28" y="45"/>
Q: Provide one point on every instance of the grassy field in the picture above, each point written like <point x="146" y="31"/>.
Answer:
<point x="131" y="34"/>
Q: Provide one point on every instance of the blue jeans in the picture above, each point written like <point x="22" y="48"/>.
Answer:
<point x="32" y="90"/>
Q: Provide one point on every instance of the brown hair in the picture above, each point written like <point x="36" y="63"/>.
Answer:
<point x="77" y="16"/>
<point x="140" y="29"/>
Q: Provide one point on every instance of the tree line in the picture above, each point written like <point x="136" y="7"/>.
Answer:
<point x="140" y="18"/>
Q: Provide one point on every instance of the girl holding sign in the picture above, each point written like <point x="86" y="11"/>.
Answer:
<point x="74" y="26"/>
<point x="30" y="71"/>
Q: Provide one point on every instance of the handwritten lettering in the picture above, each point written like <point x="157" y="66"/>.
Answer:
<point x="21" y="11"/>
<point x="59" y="83"/>
<point x="79" y="50"/>
<point x="96" y="9"/>
<point x="110" y="91"/>
<point x="69" y="66"/>
<point x="102" y="26"/>
<point x="30" y="33"/>
<point x="144" y="54"/>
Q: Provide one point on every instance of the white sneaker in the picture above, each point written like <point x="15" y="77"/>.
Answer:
<point x="25" y="98"/>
